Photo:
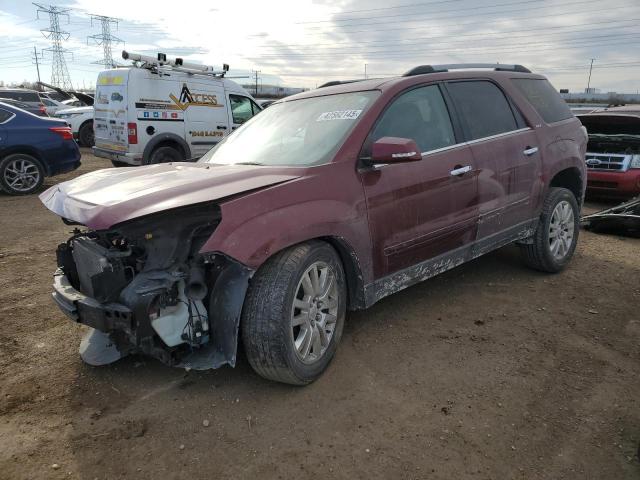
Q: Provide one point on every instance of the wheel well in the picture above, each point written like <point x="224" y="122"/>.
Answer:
<point x="169" y="143"/>
<point x="353" y="274"/>
<point x="84" y="123"/>
<point x="571" y="179"/>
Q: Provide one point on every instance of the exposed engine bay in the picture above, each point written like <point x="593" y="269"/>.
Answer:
<point x="616" y="134"/>
<point x="145" y="285"/>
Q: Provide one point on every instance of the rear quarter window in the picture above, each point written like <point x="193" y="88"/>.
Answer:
<point x="544" y="98"/>
<point x="5" y="115"/>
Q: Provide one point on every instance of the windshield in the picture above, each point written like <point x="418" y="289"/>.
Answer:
<point x="297" y="133"/>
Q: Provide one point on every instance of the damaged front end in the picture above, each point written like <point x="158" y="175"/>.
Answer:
<point x="145" y="287"/>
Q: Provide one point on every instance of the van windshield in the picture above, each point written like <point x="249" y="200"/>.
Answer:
<point x="301" y="132"/>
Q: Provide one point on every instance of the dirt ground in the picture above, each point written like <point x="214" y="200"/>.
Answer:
<point x="490" y="371"/>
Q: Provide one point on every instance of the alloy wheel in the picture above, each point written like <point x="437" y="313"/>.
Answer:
<point x="561" y="230"/>
<point x="314" y="312"/>
<point x="22" y="175"/>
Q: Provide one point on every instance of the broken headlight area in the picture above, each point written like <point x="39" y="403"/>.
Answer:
<point x="145" y="285"/>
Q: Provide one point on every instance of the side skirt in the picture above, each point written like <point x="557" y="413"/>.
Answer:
<point x="430" y="268"/>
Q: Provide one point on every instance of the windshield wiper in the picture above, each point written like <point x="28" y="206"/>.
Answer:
<point x="248" y="163"/>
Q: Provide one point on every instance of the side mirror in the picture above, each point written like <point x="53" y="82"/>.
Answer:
<point x="395" y="150"/>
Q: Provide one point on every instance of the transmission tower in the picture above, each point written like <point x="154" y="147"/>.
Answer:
<point x="59" y="73"/>
<point x="105" y="39"/>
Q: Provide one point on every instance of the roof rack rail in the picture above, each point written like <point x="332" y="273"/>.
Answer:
<point x="161" y="63"/>
<point x="499" y="67"/>
<point x="341" y="82"/>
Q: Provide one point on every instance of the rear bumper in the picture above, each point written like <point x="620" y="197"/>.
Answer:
<point x="126" y="157"/>
<point x="615" y="184"/>
<point x="88" y="311"/>
<point x="63" y="160"/>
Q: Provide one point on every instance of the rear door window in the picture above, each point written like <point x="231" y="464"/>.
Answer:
<point x="420" y="115"/>
<point x="484" y="109"/>
<point x="544" y="98"/>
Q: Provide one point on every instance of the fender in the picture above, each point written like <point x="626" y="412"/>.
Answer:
<point x="163" y="137"/>
<point x="257" y="225"/>
<point x="570" y="156"/>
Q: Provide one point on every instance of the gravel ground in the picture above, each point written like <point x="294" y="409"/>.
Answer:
<point x="490" y="371"/>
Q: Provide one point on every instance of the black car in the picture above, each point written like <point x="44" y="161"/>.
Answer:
<point x="39" y="111"/>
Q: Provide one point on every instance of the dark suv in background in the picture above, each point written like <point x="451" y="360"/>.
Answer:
<point x="327" y="201"/>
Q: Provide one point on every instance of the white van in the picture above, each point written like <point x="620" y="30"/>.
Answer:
<point x="157" y="113"/>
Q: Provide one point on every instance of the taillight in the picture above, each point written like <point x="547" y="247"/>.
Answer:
<point x="132" y="130"/>
<point x="64" y="132"/>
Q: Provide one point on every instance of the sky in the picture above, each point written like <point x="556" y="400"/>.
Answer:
<point x="304" y="43"/>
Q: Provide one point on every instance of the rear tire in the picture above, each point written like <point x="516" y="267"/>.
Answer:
<point x="85" y="135"/>
<point x="20" y="174"/>
<point x="165" y="154"/>
<point x="556" y="237"/>
<point x="293" y="314"/>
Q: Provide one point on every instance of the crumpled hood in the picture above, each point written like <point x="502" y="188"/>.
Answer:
<point x="104" y="198"/>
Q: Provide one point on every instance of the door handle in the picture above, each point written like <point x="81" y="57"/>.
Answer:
<point x="530" y="151"/>
<point x="458" y="171"/>
<point x="221" y="127"/>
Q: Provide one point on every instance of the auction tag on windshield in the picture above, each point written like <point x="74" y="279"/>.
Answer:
<point x="339" y="115"/>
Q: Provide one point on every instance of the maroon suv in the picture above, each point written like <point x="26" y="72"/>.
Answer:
<point x="325" y="202"/>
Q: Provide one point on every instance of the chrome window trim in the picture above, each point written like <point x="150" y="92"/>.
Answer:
<point x="498" y="135"/>
<point x="477" y="140"/>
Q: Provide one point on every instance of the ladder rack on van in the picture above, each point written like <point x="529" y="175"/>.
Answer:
<point x="161" y="63"/>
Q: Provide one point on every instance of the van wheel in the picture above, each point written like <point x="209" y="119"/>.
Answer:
<point x="20" y="174"/>
<point x="556" y="237"/>
<point x="85" y="135"/>
<point x="294" y="312"/>
<point x="165" y="154"/>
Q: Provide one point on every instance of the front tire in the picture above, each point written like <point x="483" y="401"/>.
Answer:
<point x="294" y="312"/>
<point x="556" y="237"/>
<point x="20" y="174"/>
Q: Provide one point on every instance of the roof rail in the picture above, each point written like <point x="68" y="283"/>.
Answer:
<point x="499" y="67"/>
<point x="341" y="82"/>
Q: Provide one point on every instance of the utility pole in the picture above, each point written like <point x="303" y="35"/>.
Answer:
<point x="59" y="73"/>
<point x="105" y="39"/>
<point x="589" y="81"/>
<point x="256" y="72"/>
<point x="365" y="71"/>
<point x="35" y="58"/>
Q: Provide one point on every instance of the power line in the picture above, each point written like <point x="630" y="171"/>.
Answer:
<point x="59" y="73"/>
<point x="447" y="49"/>
<point x="521" y="18"/>
<point x="105" y="39"/>
<point x="413" y="15"/>
<point x="481" y="34"/>
<point x="460" y="14"/>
